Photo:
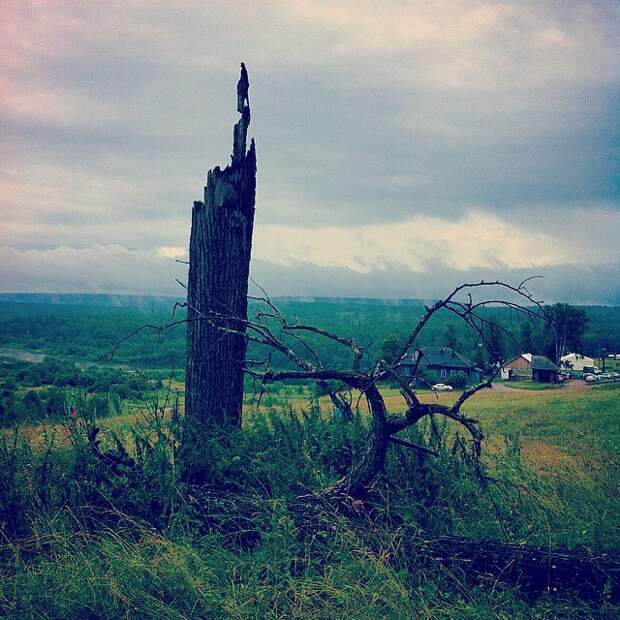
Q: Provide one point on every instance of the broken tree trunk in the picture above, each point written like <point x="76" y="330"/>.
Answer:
<point x="535" y="570"/>
<point x="219" y="262"/>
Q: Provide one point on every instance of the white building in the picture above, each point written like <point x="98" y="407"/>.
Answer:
<point x="575" y="361"/>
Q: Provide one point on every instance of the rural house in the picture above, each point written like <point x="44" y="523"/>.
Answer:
<point x="528" y="367"/>
<point x="439" y="364"/>
<point x="519" y="367"/>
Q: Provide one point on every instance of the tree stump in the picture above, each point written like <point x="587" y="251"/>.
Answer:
<point x="219" y="263"/>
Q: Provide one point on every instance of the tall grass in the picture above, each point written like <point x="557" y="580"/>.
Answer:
<point x="144" y="574"/>
<point x="81" y="541"/>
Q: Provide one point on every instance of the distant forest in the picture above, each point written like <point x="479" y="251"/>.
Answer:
<point x="86" y="328"/>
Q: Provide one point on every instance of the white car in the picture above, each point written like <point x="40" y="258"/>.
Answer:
<point x="442" y="387"/>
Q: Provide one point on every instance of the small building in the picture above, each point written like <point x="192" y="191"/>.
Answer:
<point x="438" y="364"/>
<point x="575" y="361"/>
<point x="519" y="367"/>
<point x="544" y="370"/>
<point x="528" y="367"/>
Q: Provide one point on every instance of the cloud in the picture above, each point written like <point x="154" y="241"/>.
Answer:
<point x="476" y="241"/>
<point x="114" y="269"/>
<point x="470" y="44"/>
<point x="171" y="252"/>
<point x="98" y="269"/>
<point x="409" y="137"/>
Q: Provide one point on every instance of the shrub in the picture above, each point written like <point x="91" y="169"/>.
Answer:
<point x="458" y="381"/>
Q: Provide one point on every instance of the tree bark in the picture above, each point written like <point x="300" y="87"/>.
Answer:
<point x="371" y="461"/>
<point x="219" y="262"/>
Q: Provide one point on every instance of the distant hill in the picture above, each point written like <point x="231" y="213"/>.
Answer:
<point x="89" y="299"/>
<point x="155" y="302"/>
<point x="86" y="327"/>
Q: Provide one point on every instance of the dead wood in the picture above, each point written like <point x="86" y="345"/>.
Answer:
<point x="217" y="287"/>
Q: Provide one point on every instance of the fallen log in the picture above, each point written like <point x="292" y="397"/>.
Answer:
<point x="534" y="570"/>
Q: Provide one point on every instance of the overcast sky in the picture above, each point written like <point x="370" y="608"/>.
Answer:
<point x="402" y="146"/>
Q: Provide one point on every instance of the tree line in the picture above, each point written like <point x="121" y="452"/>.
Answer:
<point x="90" y="333"/>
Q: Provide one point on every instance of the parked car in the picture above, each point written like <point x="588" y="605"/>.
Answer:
<point x="591" y="370"/>
<point x="442" y="387"/>
<point x="590" y="378"/>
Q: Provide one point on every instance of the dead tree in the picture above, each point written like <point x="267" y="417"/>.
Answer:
<point x="217" y="287"/>
<point x="535" y="570"/>
<point x="218" y="331"/>
<point x="272" y="330"/>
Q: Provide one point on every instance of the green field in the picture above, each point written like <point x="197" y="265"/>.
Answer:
<point x="562" y="448"/>
<point x="79" y="540"/>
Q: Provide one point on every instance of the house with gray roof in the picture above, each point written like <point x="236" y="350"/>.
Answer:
<point x="437" y="364"/>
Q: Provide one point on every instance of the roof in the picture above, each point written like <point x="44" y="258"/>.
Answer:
<point x="575" y="356"/>
<point x="526" y="356"/>
<point x="444" y="356"/>
<point x="540" y="362"/>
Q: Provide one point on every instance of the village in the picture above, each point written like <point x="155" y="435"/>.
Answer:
<point x="443" y="369"/>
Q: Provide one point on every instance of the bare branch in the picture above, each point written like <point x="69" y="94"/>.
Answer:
<point x="272" y="330"/>
<point x="402" y="442"/>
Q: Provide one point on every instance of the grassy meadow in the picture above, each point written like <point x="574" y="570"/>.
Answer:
<point x="91" y="553"/>
<point x="80" y="538"/>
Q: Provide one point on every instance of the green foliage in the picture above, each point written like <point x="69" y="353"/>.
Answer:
<point x="457" y="381"/>
<point x="567" y="326"/>
<point x="109" y="543"/>
<point x="526" y="340"/>
<point x="281" y="454"/>
<point x="451" y="338"/>
<point x="137" y="573"/>
<point x="7" y="403"/>
<point x="151" y="576"/>
<point x="391" y="348"/>
<point x="90" y="333"/>
<point x="34" y="392"/>
<point x="103" y="563"/>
